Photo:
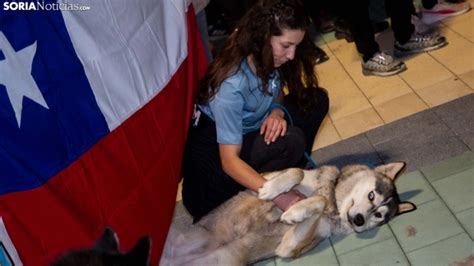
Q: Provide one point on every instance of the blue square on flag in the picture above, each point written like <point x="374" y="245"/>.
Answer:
<point x="49" y="115"/>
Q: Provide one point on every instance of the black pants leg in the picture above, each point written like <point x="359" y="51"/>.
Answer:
<point x="309" y="122"/>
<point x="357" y="15"/>
<point x="400" y="12"/>
<point x="429" y="3"/>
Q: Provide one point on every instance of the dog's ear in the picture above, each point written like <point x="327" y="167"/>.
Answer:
<point x="108" y="242"/>
<point x="405" y="207"/>
<point x="391" y="170"/>
<point x="140" y="252"/>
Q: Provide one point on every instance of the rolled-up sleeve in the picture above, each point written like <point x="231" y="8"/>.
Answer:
<point x="227" y="107"/>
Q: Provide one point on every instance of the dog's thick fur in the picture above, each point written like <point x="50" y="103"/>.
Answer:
<point x="249" y="227"/>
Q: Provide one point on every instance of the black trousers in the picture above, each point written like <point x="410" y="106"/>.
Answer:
<point x="206" y="185"/>
<point x="357" y="15"/>
<point x="429" y="3"/>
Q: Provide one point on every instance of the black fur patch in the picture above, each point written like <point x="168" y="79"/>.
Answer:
<point x="386" y="188"/>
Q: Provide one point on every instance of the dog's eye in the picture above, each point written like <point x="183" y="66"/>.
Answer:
<point x="371" y="195"/>
<point x="378" y="215"/>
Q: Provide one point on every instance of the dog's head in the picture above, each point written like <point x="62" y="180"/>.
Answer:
<point x="368" y="197"/>
<point x="106" y="252"/>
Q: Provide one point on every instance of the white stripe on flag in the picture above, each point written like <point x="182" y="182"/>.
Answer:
<point x="130" y="50"/>
<point x="6" y="242"/>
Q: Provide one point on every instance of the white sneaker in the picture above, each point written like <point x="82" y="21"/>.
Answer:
<point x="443" y="10"/>
<point x="420" y="42"/>
<point x="382" y="64"/>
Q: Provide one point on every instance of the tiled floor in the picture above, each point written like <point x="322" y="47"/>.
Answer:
<point x="360" y="103"/>
<point x="439" y="232"/>
<point x="423" y="116"/>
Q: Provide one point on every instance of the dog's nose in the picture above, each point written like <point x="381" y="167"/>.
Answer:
<point x="358" y="220"/>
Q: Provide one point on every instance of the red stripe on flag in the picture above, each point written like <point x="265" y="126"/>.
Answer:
<point x="128" y="180"/>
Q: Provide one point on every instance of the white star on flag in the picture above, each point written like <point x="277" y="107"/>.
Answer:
<point x="15" y="75"/>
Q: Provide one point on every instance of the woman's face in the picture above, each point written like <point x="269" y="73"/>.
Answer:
<point x="284" y="46"/>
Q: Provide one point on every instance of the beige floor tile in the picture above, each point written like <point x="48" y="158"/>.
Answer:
<point x="468" y="78"/>
<point x="443" y="92"/>
<point x="331" y="71"/>
<point x="458" y="55"/>
<point x="342" y="47"/>
<point x="433" y="71"/>
<point x="382" y="89"/>
<point x="325" y="47"/>
<point x="357" y="123"/>
<point x="462" y="24"/>
<point x="346" y="53"/>
<point x="348" y="102"/>
<point x="376" y="89"/>
<point x="344" y="95"/>
<point x="326" y="136"/>
<point x="400" y="107"/>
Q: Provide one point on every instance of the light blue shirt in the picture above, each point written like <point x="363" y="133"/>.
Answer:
<point x="240" y="106"/>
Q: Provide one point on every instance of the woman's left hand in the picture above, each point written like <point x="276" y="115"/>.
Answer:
<point x="273" y="126"/>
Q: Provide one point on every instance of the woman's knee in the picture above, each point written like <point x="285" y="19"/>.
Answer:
<point x="295" y="142"/>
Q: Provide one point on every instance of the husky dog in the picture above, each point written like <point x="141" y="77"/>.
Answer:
<point x="249" y="227"/>
<point x="106" y="252"/>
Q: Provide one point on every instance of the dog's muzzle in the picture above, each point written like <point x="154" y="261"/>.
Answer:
<point x="358" y="220"/>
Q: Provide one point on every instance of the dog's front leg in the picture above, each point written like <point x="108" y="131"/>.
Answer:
<point x="300" y="237"/>
<point x="279" y="182"/>
<point x="304" y="209"/>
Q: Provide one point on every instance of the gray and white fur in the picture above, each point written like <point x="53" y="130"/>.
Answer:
<point x="250" y="227"/>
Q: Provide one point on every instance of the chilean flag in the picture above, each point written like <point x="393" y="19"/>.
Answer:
<point x="94" y="109"/>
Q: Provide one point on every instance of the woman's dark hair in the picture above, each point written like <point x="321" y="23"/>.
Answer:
<point x="265" y="19"/>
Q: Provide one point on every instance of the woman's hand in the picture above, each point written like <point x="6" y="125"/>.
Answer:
<point x="273" y="126"/>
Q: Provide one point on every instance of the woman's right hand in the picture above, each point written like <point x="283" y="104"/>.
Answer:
<point x="274" y="126"/>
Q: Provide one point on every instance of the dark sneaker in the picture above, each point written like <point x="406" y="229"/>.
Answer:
<point x="421" y="42"/>
<point x="326" y="26"/>
<point x="382" y="64"/>
<point x="342" y="31"/>
<point x="321" y="56"/>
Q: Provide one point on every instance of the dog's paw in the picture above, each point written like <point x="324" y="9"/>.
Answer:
<point x="303" y="209"/>
<point x="268" y="191"/>
<point x="280" y="183"/>
<point x="288" y="244"/>
<point x="329" y="173"/>
<point x="292" y="217"/>
<point x="295" y="214"/>
<point x="284" y="252"/>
